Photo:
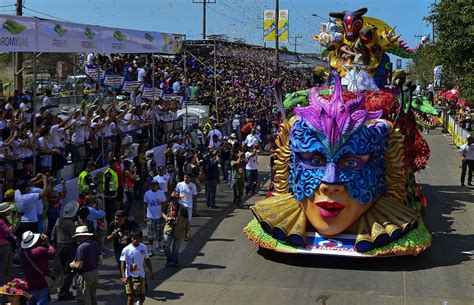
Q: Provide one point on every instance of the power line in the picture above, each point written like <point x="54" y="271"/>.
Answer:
<point x="242" y="7"/>
<point x="51" y="16"/>
<point x="234" y="11"/>
<point x="231" y="17"/>
<point x="296" y="10"/>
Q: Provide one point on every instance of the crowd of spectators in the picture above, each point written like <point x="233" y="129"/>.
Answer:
<point x="37" y="225"/>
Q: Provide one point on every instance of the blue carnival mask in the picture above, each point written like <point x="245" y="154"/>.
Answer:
<point x="358" y="163"/>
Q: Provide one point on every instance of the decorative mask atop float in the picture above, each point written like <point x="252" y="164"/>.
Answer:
<point x="352" y="22"/>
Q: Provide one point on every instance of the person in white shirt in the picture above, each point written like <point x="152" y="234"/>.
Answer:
<point x="45" y="147"/>
<point x="48" y="103"/>
<point x="236" y="124"/>
<point x="25" y="110"/>
<point x="467" y="154"/>
<point x="153" y="219"/>
<point x="253" y="139"/>
<point x="136" y="97"/>
<point x="132" y="267"/>
<point x="186" y="190"/>
<point x="251" y="169"/>
<point x="141" y="73"/>
<point x="163" y="179"/>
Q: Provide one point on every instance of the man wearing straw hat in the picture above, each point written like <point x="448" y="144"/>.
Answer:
<point x="88" y="258"/>
<point x="35" y="253"/>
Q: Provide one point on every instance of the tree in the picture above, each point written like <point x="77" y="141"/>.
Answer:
<point x="421" y="68"/>
<point x="454" y="45"/>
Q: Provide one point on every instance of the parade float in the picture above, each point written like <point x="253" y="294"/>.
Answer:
<point x="347" y="154"/>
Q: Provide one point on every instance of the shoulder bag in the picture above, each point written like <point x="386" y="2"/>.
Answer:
<point x="49" y="280"/>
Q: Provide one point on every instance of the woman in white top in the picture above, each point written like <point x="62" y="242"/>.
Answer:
<point x="45" y="148"/>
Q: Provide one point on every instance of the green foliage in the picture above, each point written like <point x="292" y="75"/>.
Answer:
<point x="421" y="68"/>
<point x="454" y="45"/>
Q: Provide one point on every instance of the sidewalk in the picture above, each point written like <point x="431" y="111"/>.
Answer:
<point x="111" y="290"/>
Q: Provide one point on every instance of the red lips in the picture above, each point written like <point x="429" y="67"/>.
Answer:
<point x="329" y="209"/>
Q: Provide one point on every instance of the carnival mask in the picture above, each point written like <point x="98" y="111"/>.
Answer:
<point x="337" y="166"/>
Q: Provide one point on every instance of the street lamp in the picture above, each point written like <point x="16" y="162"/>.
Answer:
<point x="315" y="15"/>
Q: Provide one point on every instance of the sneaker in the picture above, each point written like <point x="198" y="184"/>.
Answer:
<point x="160" y="249"/>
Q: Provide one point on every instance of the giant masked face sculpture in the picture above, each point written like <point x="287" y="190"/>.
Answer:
<point x="339" y="168"/>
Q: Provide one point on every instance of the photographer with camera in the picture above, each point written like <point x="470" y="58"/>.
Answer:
<point x="35" y="253"/>
<point x="176" y="228"/>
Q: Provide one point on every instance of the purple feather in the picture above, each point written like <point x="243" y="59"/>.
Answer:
<point x="335" y="118"/>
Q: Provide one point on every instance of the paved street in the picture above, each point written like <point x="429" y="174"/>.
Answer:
<point x="220" y="266"/>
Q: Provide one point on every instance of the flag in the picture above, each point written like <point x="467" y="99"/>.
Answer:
<point x="113" y="80"/>
<point x="148" y="93"/>
<point x="129" y="86"/>
<point x="92" y="72"/>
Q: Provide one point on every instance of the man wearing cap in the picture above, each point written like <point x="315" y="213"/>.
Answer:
<point x="119" y="231"/>
<point x="88" y="258"/>
<point x="35" y="253"/>
<point x="64" y="230"/>
<point x="6" y="250"/>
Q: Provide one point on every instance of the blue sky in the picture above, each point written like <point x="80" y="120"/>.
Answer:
<point x="235" y="18"/>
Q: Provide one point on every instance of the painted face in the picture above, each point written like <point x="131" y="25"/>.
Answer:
<point x="337" y="183"/>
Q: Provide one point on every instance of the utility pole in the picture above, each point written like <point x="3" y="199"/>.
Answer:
<point x="204" y="2"/>
<point x="277" y="39"/>
<point x="19" y="56"/>
<point x="296" y="44"/>
<point x="260" y="27"/>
